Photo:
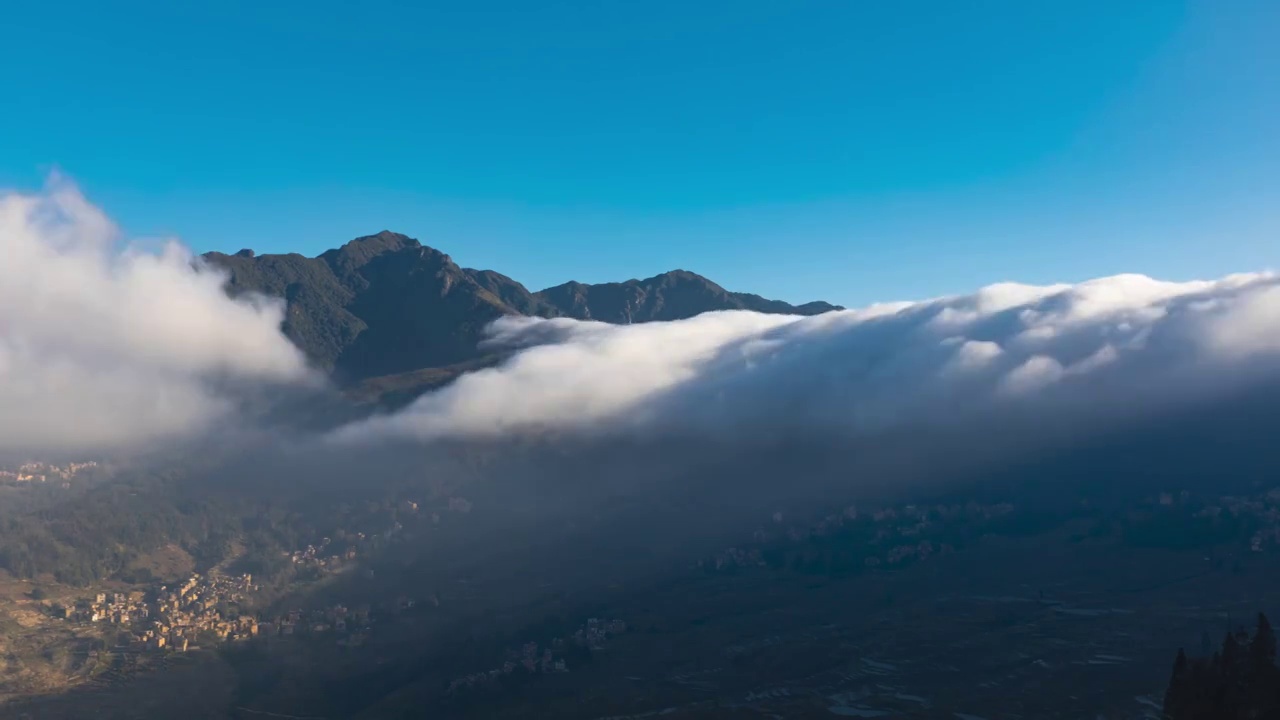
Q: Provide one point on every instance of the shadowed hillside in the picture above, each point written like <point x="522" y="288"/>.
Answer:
<point x="670" y="296"/>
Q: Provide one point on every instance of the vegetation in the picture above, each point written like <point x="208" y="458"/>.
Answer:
<point x="101" y="532"/>
<point x="93" y="536"/>
<point x="1239" y="681"/>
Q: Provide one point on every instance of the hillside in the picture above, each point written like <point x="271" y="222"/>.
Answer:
<point x="385" y="304"/>
<point x="670" y="296"/>
<point x="379" y="305"/>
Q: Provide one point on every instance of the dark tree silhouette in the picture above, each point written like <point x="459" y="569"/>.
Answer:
<point x="1240" y="682"/>
<point x="1262" y="649"/>
<point x="1175" y="697"/>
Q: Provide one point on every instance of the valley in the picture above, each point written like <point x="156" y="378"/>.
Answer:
<point x="823" y="615"/>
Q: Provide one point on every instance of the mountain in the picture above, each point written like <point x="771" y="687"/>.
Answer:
<point x="379" y="305"/>
<point x="670" y="296"/>
<point x="385" y="304"/>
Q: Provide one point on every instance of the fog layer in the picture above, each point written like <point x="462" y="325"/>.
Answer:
<point x="1110" y="344"/>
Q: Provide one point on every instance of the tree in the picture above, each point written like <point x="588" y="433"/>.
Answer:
<point x="1240" y="682"/>
<point x="1264" y="676"/>
<point x="1231" y="654"/>
<point x="1175" y="698"/>
<point x="1262" y="649"/>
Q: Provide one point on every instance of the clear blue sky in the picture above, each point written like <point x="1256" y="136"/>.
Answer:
<point x="848" y="150"/>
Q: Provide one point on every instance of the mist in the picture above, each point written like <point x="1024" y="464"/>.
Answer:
<point x="109" y="344"/>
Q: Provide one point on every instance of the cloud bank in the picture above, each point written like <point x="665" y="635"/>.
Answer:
<point x="104" y="345"/>
<point x="1111" y="345"/>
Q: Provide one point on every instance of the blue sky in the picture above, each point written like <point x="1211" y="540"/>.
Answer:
<point x="849" y="151"/>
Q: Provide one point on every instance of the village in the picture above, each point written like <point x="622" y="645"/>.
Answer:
<point x="205" y="610"/>
<point x="33" y="472"/>
<point x="177" y="617"/>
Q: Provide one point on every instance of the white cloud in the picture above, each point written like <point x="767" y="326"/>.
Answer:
<point x="1100" y="343"/>
<point x="103" y="345"/>
<point x="972" y="355"/>
<point x="584" y="370"/>
<point x="1039" y="371"/>
<point x="1244" y="327"/>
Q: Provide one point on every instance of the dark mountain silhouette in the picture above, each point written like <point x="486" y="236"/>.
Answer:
<point x="379" y="305"/>
<point x="670" y="296"/>
<point x="385" y="304"/>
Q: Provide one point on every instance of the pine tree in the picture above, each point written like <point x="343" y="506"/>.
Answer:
<point x="1232" y="680"/>
<point x="1262" y="649"/>
<point x="1230" y="655"/>
<point x="1176" y="697"/>
<point x="1264" y="677"/>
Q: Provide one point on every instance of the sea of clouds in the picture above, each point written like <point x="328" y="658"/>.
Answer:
<point x="1103" y="344"/>
<point x="105" y="345"/>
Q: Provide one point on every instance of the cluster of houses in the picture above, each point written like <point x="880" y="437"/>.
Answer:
<point x="43" y="472"/>
<point x="326" y="556"/>
<point x="203" y="604"/>
<point x="319" y="556"/>
<point x="206" y="608"/>
<point x="532" y="658"/>
<point x="176" y="617"/>
<point x="117" y="608"/>
<point x="351" y="625"/>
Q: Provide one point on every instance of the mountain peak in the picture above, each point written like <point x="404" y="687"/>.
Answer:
<point x="385" y="241"/>
<point x="358" y="252"/>
<point x="679" y="275"/>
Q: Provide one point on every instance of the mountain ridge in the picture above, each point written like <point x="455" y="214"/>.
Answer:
<point x="385" y="304"/>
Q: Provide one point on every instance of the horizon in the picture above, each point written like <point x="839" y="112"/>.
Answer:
<point x="895" y="156"/>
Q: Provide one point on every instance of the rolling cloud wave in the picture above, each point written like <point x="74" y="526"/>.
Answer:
<point x="1105" y="343"/>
